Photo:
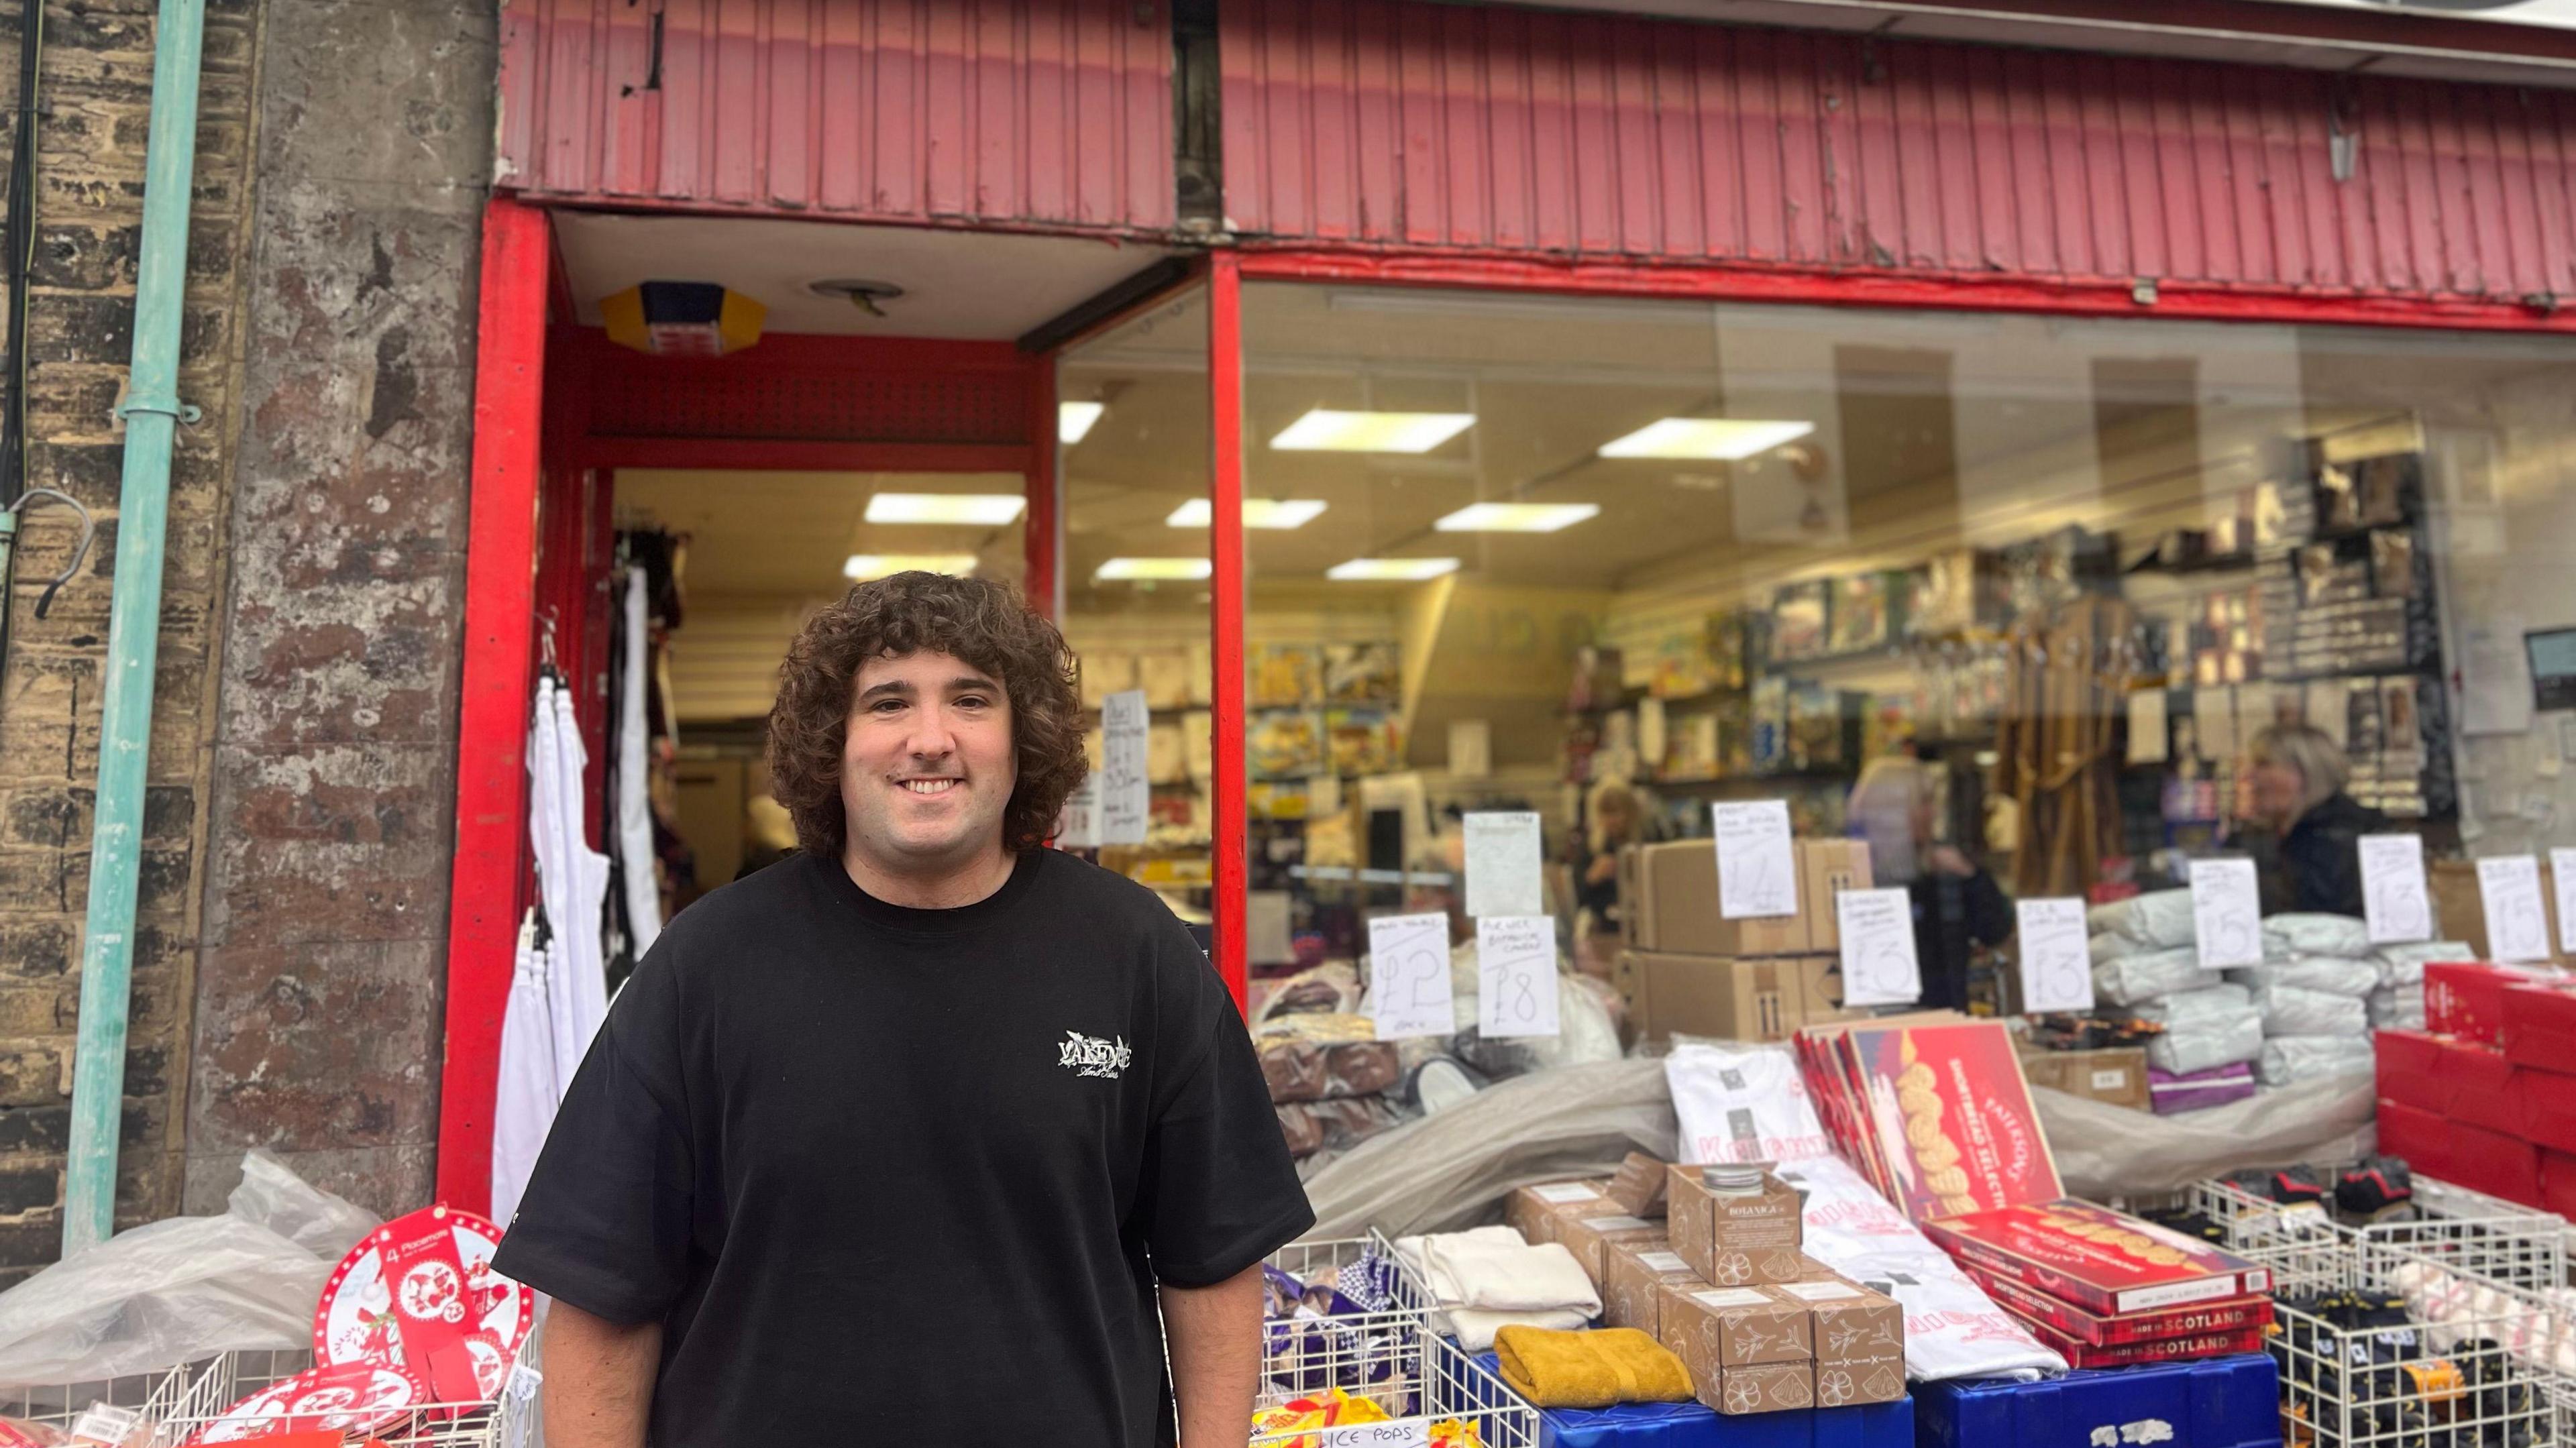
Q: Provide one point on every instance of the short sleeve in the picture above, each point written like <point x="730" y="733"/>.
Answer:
<point x="606" y="1220"/>
<point x="1219" y="1191"/>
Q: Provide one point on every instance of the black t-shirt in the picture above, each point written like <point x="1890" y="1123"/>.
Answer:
<point x="910" y="1176"/>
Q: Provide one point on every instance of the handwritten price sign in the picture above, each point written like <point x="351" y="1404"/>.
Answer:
<point x="1401" y="1433"/>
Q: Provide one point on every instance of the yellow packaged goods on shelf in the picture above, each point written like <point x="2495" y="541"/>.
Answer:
<point x="1589" y="1369"/>
<point x="1336" y="1409"/>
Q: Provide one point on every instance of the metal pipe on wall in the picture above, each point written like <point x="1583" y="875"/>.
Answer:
<point x="152" y="413"/>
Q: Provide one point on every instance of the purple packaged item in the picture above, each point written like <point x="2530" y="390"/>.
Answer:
<point x="2198" y="1090"/>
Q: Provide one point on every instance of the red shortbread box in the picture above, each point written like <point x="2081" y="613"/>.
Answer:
<point x="2417" y="1137"/>
<point x="2466" y="998"/>
<point x="2482" y="1087"/>
<point x="2493" y="1163"/>
<point x="2558" y="1183"/>
<point x="2106" y="1262"/>
<point x="2410" y="1070"/>
<point x="2545" y="1105"/>
<point x="2539" y="1027"/>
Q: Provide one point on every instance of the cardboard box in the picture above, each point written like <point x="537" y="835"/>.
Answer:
<point x="2492" y="1162"/>
<point x="1638" y="1185"/>
<point x="1734" y="1241"/>
<point x="2458" y="910"/>
<point x="2408" y="1066"/>
<point x="1774" y="1388"/>
<point x="2098" y="1259"/>
<point x="1963" y="1121"/>
<point x="2483" y="1086"/>
<point x="2117" y="1075"/>
<point x="1590" y="1239"/>
<point x="2081" y="1354"/>
<point x="2539" y="1028"/>
<point x="1703" y="995"/>
<point x="1820" y="992"/>
<point x="1633" y="1279"/>
<point x="2466" y="998"/>
<point x="1670" y="893"/>
<point x="1734" y="1327"/>
<point x="1534" y="1211"/>
<point x="2543" y="1106"/>
<point x="1825" y="868"/>
<point x="2558" y="1183"/>
<point x="2417" y="1137"/>
<point x="1852" y="1324"/>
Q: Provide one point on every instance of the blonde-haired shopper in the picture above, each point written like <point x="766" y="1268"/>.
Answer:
<point x="2306" y="832"/>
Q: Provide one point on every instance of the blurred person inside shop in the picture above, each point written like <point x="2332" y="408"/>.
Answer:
<point x="2304" y="831"/>
<point x="1957" y="904"/>
<point x="1613" y="819"/>
<point x="926" y="1133"/>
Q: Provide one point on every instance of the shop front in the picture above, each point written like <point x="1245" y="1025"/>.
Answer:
<point x="1995" y="478"/>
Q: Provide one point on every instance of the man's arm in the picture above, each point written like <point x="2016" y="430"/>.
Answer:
<point x="599" y="1378"/>
<point x="1214" y="1334"/>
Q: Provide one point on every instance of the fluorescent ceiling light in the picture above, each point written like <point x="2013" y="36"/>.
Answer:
<point x="1517" y="517"/>
<point x="982" y="508"/>
<point x="1324" y="430"/>
<point x="1396" y="570"/>
<point x="1728" y="439"/>
<point x="1074" y="419"/>
<point x="879" y="565"/>
<point x="1155" y="568"/>
<point x="1257" y="513"/>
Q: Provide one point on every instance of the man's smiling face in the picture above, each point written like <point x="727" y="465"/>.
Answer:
<point x="929" y="764"/>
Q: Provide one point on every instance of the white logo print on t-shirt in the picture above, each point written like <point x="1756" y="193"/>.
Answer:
<point x="1091" y="1056"/>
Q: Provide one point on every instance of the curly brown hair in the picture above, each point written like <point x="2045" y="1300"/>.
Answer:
<point x="982" y="622"/>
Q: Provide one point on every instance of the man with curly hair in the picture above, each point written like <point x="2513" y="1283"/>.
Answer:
<point x="927" y="1134"/>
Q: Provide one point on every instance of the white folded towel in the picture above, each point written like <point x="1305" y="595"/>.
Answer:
<point x="1444" y="1291"/>
<point x="1475" y="1330"/>
<point x="1498" y="1277"/>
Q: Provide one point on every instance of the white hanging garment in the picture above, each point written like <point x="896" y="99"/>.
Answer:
<point x="634" y="800"/>
<point x="524" y="1106"/>
<point x="577" y="978"/>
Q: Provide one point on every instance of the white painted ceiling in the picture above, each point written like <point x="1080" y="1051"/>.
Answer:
<point x="958" y="285"/>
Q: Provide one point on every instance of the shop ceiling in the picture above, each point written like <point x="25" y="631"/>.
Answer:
<point x="956" y="285"/>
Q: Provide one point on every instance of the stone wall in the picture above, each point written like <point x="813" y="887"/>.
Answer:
<point x="95" y="97"/>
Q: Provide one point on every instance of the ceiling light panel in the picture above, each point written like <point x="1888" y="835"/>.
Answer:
<point x="1155" y="569"/>
<point x="1073" y="420"/>
<point x="1275" y="513"/>
<point x="1325" y="430"/>
<point x="979" y="509"/>
<point x="1517" y="517"/>
<point x="1723" y="439"/>
<point x="879" y="565"/>
<point x="1390" y="570"/>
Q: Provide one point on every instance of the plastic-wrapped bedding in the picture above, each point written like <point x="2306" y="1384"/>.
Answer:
<point x="2289" y="1011"/>
<point x="2404" y="964"/>
<point x="2196" y="1005"/>
<point x="2107" y="946"/>
<point x="2292" y="1060"/>
<point x="2316" y="934"/>
<point x="2161" y="919"/>
<point x="2397" y="1008"/>
<point x="2329" y="973"/>
<point x="2213" y="1040"/>
<point x="2134" y="978"/>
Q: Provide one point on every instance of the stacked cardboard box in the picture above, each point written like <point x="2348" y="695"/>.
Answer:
<point x="1688" y="969"/>
<point x="1722" y="1283"/>
<point x="2486" y="1099"/>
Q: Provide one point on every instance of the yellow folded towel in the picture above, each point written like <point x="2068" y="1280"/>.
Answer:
<point x="1589" y="1369"/>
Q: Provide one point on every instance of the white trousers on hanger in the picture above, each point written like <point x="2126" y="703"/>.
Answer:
<point x="634" y="798"/>
<point x="524" y="1106"/>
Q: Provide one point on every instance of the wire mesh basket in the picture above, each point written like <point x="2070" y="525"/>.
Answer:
<point x="182" y="1404"/>
<point x="1386" y="1353"/>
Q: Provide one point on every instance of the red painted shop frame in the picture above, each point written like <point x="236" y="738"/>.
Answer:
<point x="511" y="408"/>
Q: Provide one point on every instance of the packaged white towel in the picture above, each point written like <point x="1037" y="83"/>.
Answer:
<point x="2397" y="1007"/>
<point x="2317" y="934"/>
<point x="2193" y="1005"/>
<point x="1491" y="1276"/>
<point x="2134" y="978"/>
<point x="2332" y="974"/>
<point x="2404" y="964"/>
<point x="2210" y="1041"/>
<point x="2289" y="1011"/>
<point x="2161" y="919"/>
<point x="2289" y="1060"/>
<point x="2107" y="946"/>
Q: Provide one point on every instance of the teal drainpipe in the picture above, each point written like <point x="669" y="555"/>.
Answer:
<point x="152" y="413"/>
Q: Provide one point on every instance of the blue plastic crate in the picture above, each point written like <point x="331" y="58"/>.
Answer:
<point x="1692" y="1425"/>
<point x="2227" y="1402"/>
